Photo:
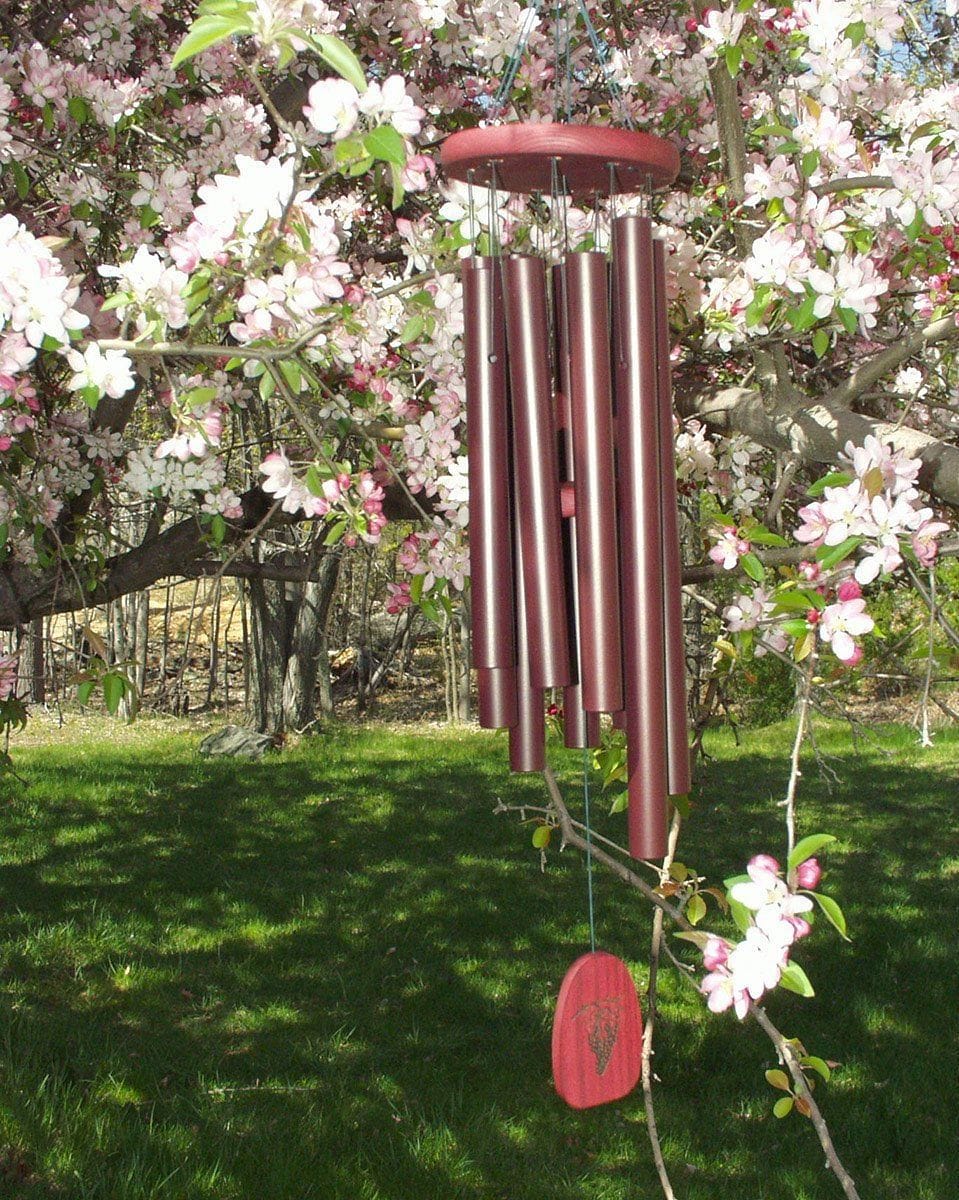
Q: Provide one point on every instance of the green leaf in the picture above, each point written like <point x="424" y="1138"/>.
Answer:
<point x="399" y="191"/>
<point x="620" y="803"/>
<point x="695" y="909"/>
<point x="267" y="385"/>
<point x="833" y="479"/>
<point x="697" y="937"/>
<point x="337" y="54"/>
<point x="335" y="532"/>
<point x="778" y="1079"/>
<point x="217" y="529"/>
<point x="856" y="32"/>
<point x="803" y="317"/>
<point x="817" y="1064"/>
<point x="849" y="318"/>
<point x="85" y="690"/>
<point x="764" y="537"/>
<point x="798" y="600"/>
<point x="90" y="396"/>
<point x="412" y="329"/>
<point x="541" y="836"/>
<point x="804" y="646"/>
<point x="753" y="567"/>
<point x="681" y="802"/>
<point x="795" y="979"/>
<point x="795" y="628"/>
<point x="198" y="396"/>
<point x="820" y="342"/>
<point x="810" y="163"/>
<point x="833" y="913"/>
<point x="291" y="372"/>
<point x="828" y="556"/>
<point x="206" y="32"/>
<point x="740" y="914"/>
<point x="21" y="180"/>
<point x="114" y="686"/>
<point x="783" y="1107"/>
<point x="808" y="846"/>
<point x="4" y="533"/>
<point x="314" y="480"/>
<point x="386" y="145"/>
<point x="734" y="59"/>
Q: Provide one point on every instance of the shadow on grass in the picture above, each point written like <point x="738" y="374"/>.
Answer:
<point x="332" y="974"/>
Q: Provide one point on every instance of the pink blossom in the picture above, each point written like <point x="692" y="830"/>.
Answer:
<point x="279" y="475"/>
<point x="715" y="952"/>
<point x="729" y="549"/>
<point x="8" y="676"/>
<point x="849" y="589"/>
<point x="398" y="598"/>
<point x="842" y="622"/>
<point x="925" y="543"/>
<point x="331" y="107"/>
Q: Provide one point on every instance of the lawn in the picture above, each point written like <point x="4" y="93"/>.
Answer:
<point x="331" y="974"/>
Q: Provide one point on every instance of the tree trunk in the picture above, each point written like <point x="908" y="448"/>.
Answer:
<point x="270" y="641"/>
<point x="288" y="623"/>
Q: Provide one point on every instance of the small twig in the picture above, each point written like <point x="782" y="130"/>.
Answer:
<point x="650" y="1023"/>
<point x="787" y="1055"/>
<point x="572" y="838"/>
<point x="925" y="736"/>
<point x="794" y="769"/>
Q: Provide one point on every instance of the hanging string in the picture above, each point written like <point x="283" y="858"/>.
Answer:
<point x="589" y="853"/>
<point x="601" y="50"/>
<point x="512" y="64"/>
<point x="472" y="210"/>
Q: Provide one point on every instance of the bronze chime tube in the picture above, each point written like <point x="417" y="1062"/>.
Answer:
<point x="496" y="697"/>
<point x="591" y="408"/>
<point x="536" y="475"/>
<point x="641" y="553"/>
<point x="487" y="415"/>
<point x="581" y="729"/>
<point x="677" y="734"/>
<point x="527" y="738"/>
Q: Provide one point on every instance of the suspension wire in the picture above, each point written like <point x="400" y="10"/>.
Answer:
<point x="589" y="853"/>
<point x="495" y="246"/>
<point x="512" y="64"/>
<point x="601" y="50"/>
<point x="471" y="203"/>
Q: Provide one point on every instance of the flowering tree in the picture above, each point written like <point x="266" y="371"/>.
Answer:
<point x="229" y="300"/>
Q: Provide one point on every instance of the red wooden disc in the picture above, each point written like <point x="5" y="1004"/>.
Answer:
<point x="597" y="1032"/>
<point x="523" y="155"/>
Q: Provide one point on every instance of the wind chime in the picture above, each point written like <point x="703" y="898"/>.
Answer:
<point x="574" y="546"/>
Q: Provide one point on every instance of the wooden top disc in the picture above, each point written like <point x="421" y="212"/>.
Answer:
<point x="523" y="156"/>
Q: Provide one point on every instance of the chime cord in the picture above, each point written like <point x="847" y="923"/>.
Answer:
<point x="589" y="853"/>
<point x="512" y="64"/>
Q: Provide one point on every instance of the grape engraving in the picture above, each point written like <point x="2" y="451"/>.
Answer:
<point x="603" y="1016"/>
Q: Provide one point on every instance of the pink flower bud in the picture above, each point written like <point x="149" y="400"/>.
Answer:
<point x="765" y="862"/>
<point x="810" y="570"/>
<point x="808" y="873"/>
<point x="715" y="952"/>
<point x="849" y="589"/>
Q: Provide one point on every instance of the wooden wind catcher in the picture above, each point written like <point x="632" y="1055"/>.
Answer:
<point x="573" y="521"/>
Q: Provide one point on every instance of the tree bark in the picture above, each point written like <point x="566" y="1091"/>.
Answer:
<point x="818" y="432"/>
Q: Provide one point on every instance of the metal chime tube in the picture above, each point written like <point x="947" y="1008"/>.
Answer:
<point x="491" y="565"/>
<point x="677" y="743"/>
<point x="536" y="479"/>
<point x="641" y="552"/>
<point x="581" y="729"/>
<point x="591" y="407"/>
<point x="527" y="738"/>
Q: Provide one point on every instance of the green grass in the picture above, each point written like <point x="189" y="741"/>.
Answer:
<point x="332" y="973"/>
